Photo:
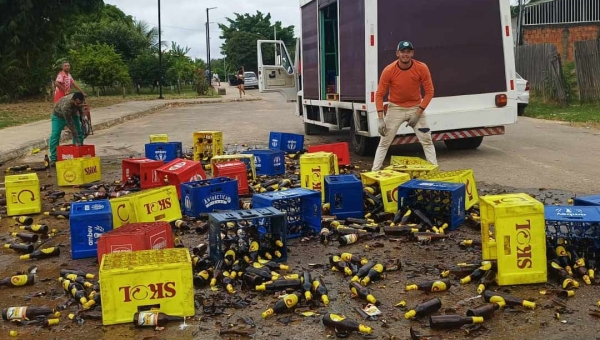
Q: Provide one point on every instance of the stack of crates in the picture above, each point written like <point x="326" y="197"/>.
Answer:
<point x="77" y="165"/>
<point x="205" y="196"/>
<point x="247" y="159"/>
<point x="388" y="182"/>
<point x="207" y="144"/>
<point x="458" y="176"/>
<point x="87" y="222"/>
<point x="151" y="205"/>
<point x="165" y="152"/>
<point x="23" y="194"/>
<point x="513" y="234"/>
<point x="268" y="162"/>
<point x="132" y="281"/>
<point x="344" y="195"/>
<point x="268" y="225"/>
<point x="442" y="202"/>
<point x="302" y="209"/>
<point x="286" y="142"/>
<point x="341" y="150"/>
<point x="314" y="167"/>
<point x="144" y="168"/>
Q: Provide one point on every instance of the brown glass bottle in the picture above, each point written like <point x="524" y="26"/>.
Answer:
<point x="272" y="265"/>
<point x="42" y="253"/>
<point x="486" y="311"/>
<point x="88" y="276"/>
<point x="375" y="273"/>
<point x="399" y="230"/>
<point x="424" y="309"/>
<point x="27" y="237"/>
<point x="25" y="312"/>
<point x="362" y="292"/>
<point x="363" y="271"/>
<point x="320" y="289"/>
<point x="431" y="286"/>
<point x="477" y="273"/>
<point x="284" y="304"/>
<point x="18" y="281"/>
<point x="279" y="285"/>
<point x="38" y="228"/>
<point x="459" y="270"/>
<point x="486" y="281"/>
<point x="562" y="257"/>
<point x="20" y="248"/>
<point x="509" y="299"/>
<point x="342" y="324"/>
<point x="24" y="220"/>
<point x="153" y="319"/>
<point x="201" y="279"/>
<point x="307" y="285"/>
<point x="452" y="321"/>
<point x="353" y="258"/>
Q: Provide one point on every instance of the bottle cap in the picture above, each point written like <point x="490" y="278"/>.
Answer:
<point x="230" y="289"/>
<point x="412" y="287"/>
<point x="410" y="314"/>
<point x="365" y="281"/>
<point x="284" y="267"/>
<point x="260" y="288"/>
<point x="465" y="280"/>
<point x="308" y="295"/>
<point x="480" y="288"/>
<point x="371" y="299"/>
<point x="586" y="279"/>
<point x="355" y="279"/>
<point x="365" y="329"/>
<point x="445" y="273"/>
<point x="325" y="299"/>
<point x="24" y="257"/>
<point x="477" y="319"/>
<point x="570" y="293"/>
<point x="528" y="304"/>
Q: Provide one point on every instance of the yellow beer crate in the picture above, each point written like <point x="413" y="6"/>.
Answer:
<point x="388" y="182"/>
<point x="159" y="138"/>
<point x="314" y="167"/>
<point x="22" y="194"/>
<point x="159" y="204"/>
<point x="78" y="171"/>
<point x="138" y="280"/>
<point x="458" y="176"/>
<point x="414" y="170"/>
<point x="246" y="158"/>
<point x="207" y="144"/>
<point x="513" y="232"/>
<point x="406" y="160"/>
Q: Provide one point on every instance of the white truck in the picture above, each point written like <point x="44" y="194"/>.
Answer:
<point x="345" y="44"/>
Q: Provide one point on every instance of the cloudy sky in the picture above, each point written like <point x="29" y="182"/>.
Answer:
<point x="183" y="20"/>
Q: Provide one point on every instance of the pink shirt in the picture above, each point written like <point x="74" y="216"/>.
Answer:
<point x="66" y="80"/>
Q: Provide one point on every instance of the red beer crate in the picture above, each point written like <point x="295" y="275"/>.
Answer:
<point x="145" y="168"/>
<point x="234" y="170"/>
<point x="72" y="151"/>
<point x="180" y="171"/>
<point x="340" y="149"/>
<point x="134" y="237"/>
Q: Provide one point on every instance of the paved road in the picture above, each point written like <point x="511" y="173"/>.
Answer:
<point x="532" y="154"/>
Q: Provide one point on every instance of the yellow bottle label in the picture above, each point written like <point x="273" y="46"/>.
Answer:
<point x="336" y="317"/>
<point x="16" y="313"/>
<point x="48" y="250"/>
<point x="254" y="246"/>
<point x="438" y="286"/>
<point x="555" y="265"/>
<point x="147" y="318"/>
<point x="18" y="280"/>
<point x="580" y="262"/>
<point x="378" y="268"/>
<point x="267" y="313"/>
<point x="354" y="292"/>
<point x="290" y="300"/>
<point x="279" y="243"/>
<point x="345" y="257"/>
<point x="560" y="251"/>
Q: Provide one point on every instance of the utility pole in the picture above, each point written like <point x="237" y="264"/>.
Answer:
<point x="520" y="24"/>
<point x="208" y="42"/>
<point x="160" y="72"/>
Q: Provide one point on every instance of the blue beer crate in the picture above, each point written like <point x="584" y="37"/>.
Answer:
<point x="302" y="208"/>
<point x="587" y="200"/>
<point x="573" y="222"/>
<point x="268" y="162"/>
<point x="199" y="197"/>
<point x="287" y="142"/>
<point x="87" y="222"/>
<point x="442" y="202"/>
<point x="344" y="193"/>
<point x="164" y="151"/>
<point x="267" y="223"/>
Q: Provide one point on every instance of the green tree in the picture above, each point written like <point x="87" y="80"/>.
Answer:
<point x="99" y="66"/>
<point x="244" y="30"/>
<point x="145" y="70"/>
<point x="181" y="66"/>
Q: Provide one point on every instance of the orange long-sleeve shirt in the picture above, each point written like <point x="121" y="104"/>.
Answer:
<point x="405" y="85"/>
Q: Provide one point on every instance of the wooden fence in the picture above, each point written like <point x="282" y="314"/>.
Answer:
<point x="587" y="64"/>
<point x="540" y="64"/>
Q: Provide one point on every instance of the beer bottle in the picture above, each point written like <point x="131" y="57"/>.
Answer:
<point x="343" y="230"/>
<point x="277" y="276"/>
<point x="345" y="240"/>
<point x="325" y="236"/>
<point x="153" y="319"/>
<point x="441" y="229"/>
<point x="88" y="276"/>
<point x="362" y="292"/>
<point x="402" y="216"/>
<point x="337" y="264"/>
<point x="579" y="266"/>
<point x="93" y="300"/>
<point x="272" y="265"/>
<point x="307" y="285"/>
<point x="263" y="272"/>
<point x="25" y="313"/>
<point x="181" y="225"/>
<point x="252" y="280"/>
<point x="375" y="273"/>
<point x="58" y="214"/>
<point x="341" y="324"/>
<point x="79" y="295"/>
<point x="217" y="273"/>
<point x="201" y="278"/>
<point x="400" y="230"/>
<point x="18" y="281"/>
<point x="477" y="273"/>
<point x="424" y="219"/>
<point x="428" y="237"/>
<point x="24" y="220"/>
<point x="562" y="257"/>
<point x="431" y="286"/>
<point x="79" y="279"/>
<point x="278" y="285"/>
<point x="38" y="228"/>
<point x="20" y="248"/>
<point x="452" y="321"/>
<point x="349" y="257"/>
<point x="42" y="254"/>
<point x="320" y="289"/>
<point x="228" y="282"/>
<point x="423" y="309"/>
<point x="509" y="299"/>
<point x="560" y="293"/>
<point x="562" y="275"/>
<point x="363" y="271"/>
<point x="486" y="281"/>
<point x="486" y="311"/>
<point x="27" y="237"/>
<point x="286" y="302"/>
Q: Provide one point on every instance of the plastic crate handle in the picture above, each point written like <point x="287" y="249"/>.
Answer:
<point x="572" y="217"/>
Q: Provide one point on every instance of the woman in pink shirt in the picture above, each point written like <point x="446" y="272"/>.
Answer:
<point x="64" y="81"/>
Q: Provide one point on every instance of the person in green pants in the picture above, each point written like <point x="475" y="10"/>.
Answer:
<point x="67" y="111"/>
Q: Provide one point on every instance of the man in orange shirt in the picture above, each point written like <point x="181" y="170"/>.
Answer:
<point x="64" y="81"/>
<point x="404" y="78"/>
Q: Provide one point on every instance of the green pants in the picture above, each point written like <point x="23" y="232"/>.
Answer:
<point x="58" y="124"/>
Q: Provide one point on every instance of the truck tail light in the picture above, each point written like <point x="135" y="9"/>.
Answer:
<point x="501" y="100"/>
<point x="527" y="86"/>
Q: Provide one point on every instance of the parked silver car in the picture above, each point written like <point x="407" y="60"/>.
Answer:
<point x="522" y="94"/>
<point x="250" y="80"/>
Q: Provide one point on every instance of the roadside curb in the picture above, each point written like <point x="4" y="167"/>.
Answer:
<point x="41" y="143"/>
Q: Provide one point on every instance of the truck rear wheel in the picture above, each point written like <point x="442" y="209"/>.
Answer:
<point x="312" y="129"/>
<point x="463" y="143"/>
<point x="361" y="145"/>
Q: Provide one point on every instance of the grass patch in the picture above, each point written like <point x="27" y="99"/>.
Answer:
<point x="32" y="110"/>
<point x="580" y="114"/>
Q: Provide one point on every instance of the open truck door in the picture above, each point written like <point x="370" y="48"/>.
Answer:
<point x="276" y="72"/>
